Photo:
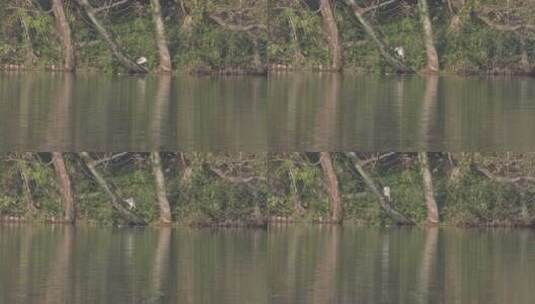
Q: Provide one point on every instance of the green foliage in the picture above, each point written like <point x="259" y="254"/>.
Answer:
<point x="300" y="182"/>
<point x="407" y="192"/>
<point x="480" y="48"/>
<point x="475" y="200"/>
<point x="199" y="195"/>
<point x="295" y="36"/>
<point x="210" y="46"/>
<point x="209" y="199"/>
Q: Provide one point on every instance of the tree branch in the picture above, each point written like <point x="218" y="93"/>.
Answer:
<point x="107" y="7"/>
<point x="234" y="179"/>
<point x="504" y="179"/>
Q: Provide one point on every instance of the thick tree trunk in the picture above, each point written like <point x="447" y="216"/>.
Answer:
<point x="381" y="45"/>
<point x="161" y="38"/>
<point x="161" y="193"/>
<point x="331" y="181"/>
<point x="524" y="58"/>
<point x="116" y="200"/>
<point x="384" y="202"/>
<point x="429" y="192"/>
<point x="128" y="63"/>
<point x="64" y="29"/>
<point x="333" y="37"/>
<point x="431" y="52"/>
<point x="65" y="187"/>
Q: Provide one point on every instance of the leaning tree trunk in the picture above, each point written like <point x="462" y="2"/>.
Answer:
<point x="65" y="187"/>
<point x="161" y="38"/>
<point x="116" y="200"/>
<point x="128" y="63"/>
<point x="429" y="192"/>
<point x="333" y="37"/>
<point x="161" y="193"/>
<point x="381" y="45"/>
<point x="332" y="186"/>
<point x="431" y="51"/>
<point x="64" y="29"/>
<point x="384" y="202"/>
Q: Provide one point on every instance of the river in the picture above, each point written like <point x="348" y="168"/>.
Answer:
<point x="281" y="112"/>
<point x="282" y="264"/>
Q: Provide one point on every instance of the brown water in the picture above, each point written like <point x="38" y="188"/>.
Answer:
<point x="289" y="264"/>
<point x="286" y="112"/>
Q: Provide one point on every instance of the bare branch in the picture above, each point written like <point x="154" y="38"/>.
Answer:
<point x="235" y="179"/>
<point x="504" y="179"/>
<point x="108" y="7"/>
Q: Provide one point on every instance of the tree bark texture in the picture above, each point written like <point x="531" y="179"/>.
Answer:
<point x="431" y="52"/>
<point x="331" y="181"/>
<point x="429" y="192"/>
<point x="65" y="187"/>
<point x="333" y="36"/>
<point x="161" y="193"/>
<point x="64" y="29"/>
<point x="161" y="38"/>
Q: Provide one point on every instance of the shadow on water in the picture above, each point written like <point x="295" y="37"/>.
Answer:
<point x="284" y="112"/>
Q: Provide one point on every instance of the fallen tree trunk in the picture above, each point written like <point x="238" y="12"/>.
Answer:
<point x="381" y="45"/>
<point x="128" y="63"/>
<point x="65" y="187"/>
<point x="384" y="202"/>
<point x="116" y="200"/>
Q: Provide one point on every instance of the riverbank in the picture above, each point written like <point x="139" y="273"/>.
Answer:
<point x="245" y="189"/>
<point x="240" y="38"/>
<point x="203" y="70"/>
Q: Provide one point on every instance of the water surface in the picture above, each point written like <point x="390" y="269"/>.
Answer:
<point x="283" y="112"/>
<point x="288" y="264"/>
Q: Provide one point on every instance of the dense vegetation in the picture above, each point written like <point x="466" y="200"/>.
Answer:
<point x="242" y="189"/>
<point x="231" y="36"/>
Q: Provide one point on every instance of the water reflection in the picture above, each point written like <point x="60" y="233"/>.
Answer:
<point x="357" y="265"/>
<point x="90" y="265"/>
<point x="288" y="112"/>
